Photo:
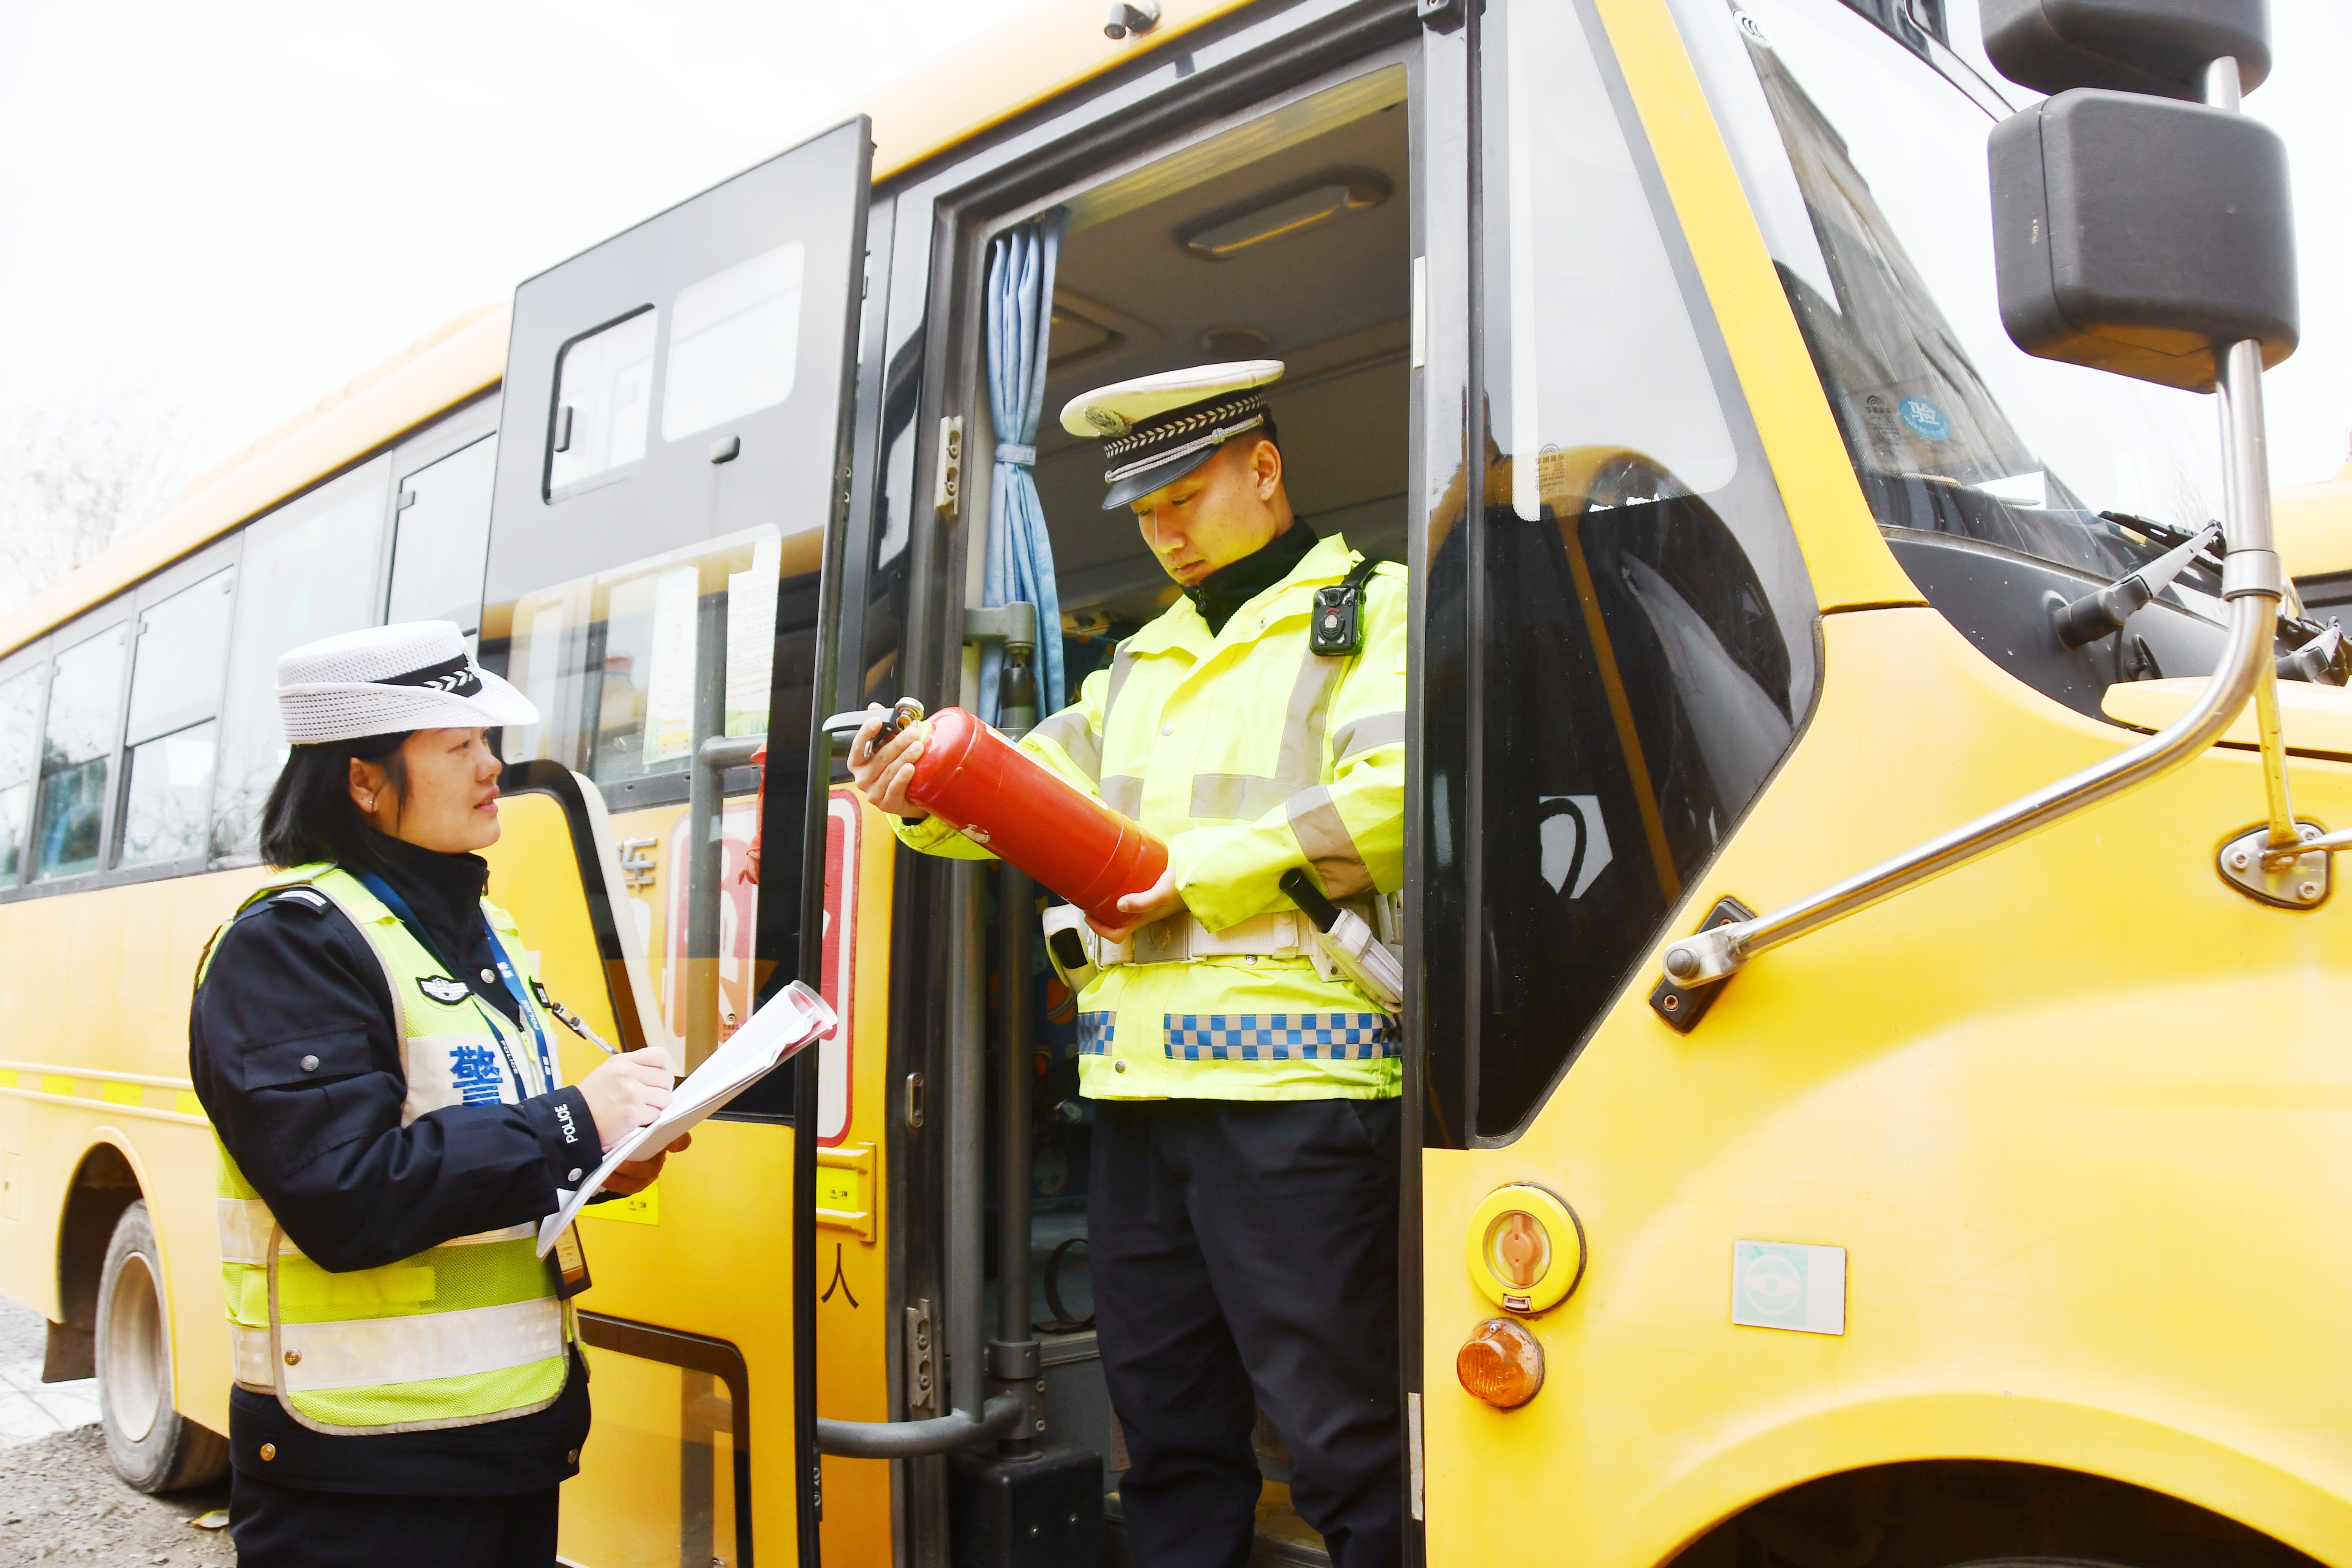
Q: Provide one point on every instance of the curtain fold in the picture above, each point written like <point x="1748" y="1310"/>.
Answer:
<point x="1020" y="564"/>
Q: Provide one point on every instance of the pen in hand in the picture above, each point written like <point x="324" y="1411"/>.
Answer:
<point x="572" y="1021"/>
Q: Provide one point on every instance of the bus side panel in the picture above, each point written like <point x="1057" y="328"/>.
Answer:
<point x="2078" y="1115"/>
<point x="94" y="989"/>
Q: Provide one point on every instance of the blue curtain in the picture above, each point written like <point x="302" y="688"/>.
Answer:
<point x="1020" y="555"/>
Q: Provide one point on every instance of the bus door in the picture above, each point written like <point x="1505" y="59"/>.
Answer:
<point x="674" y="417"/>
<point x="1286" y="217"/>
<point x="1618" y="650"/>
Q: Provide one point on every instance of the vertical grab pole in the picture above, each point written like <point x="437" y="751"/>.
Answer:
<point x="966" y="1138"/>
<point x="2245" y="483"/>
<point x="1012" y="1354"/>
<point x="705" y="850"/>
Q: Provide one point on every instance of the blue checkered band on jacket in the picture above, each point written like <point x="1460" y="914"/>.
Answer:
<point x="1093" y="1034"/>
<point x="1281" y="1036"/>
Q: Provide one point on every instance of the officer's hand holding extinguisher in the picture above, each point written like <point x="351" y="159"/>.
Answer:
<point x="883" y="766"/>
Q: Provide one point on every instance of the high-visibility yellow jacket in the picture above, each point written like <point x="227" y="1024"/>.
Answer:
<point x="462" y="1334"/>
<point x="1250" y="755"/>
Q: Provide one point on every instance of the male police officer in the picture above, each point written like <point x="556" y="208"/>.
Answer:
<point x="1243" y="1213"/>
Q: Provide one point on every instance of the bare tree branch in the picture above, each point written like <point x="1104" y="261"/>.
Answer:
<point x="76" y="476"/>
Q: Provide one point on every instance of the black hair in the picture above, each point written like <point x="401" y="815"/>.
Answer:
<point x="312" y="815"/>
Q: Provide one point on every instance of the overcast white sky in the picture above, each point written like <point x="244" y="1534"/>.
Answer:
<point x="228" y="210"/>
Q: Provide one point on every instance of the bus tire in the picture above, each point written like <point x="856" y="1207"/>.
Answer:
<point x="152" y="1445"/>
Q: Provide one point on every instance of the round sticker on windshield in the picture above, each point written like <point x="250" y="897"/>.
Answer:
<point x="1925" y="418"/>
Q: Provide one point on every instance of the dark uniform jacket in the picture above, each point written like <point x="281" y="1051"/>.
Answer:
<point x="355" y="1189"/>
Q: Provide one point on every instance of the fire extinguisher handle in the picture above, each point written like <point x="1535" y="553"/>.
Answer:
<point x="1310" y="898"/>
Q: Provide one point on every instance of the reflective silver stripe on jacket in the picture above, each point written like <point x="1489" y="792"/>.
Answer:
<point x="1330" y="848"/>
<point x="1070" y="730"/>
<point x="1367" y="734"/>
<point x="1123" y="793"/>
<point x="244" y="1226"/>
<point x="1122" y="665"/>
<point x="1243" y="797"/>
<point x="368" y="1351"/>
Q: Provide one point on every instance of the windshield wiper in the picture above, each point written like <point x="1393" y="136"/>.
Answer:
<point x="2164" y="533"/>
<point x="2105" y="610"/>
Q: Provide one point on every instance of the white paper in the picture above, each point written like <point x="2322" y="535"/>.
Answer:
<point x="670" y="684"/>
<point x="788" y="1021"/>
<point x="751" y="638"/>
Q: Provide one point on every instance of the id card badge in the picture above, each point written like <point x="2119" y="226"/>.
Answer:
<point x="571" y="1263"/>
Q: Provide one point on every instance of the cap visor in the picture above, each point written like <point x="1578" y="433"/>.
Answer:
<point x="1135" y="487"/>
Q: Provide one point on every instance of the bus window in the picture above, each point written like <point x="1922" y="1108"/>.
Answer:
<point x="20" y="715"/>
<point x="310" y="572"/>
<point x="613" y="661"/>
<point x="440" y="536"/>
<point x="76" y="750"/>
<point x="603" y="397"/>
<point x="1628" y="610"/>
<point x="173" y="730"/>
<point x="734" y="342"/>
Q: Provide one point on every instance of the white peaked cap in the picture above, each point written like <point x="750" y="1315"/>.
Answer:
<point x="1115" y="409"/>
<point x="383" y="681"/>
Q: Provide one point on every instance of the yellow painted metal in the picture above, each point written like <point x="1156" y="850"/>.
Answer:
<point x="1849" y="562"/>
<point x="2080" y="1114"/>
<point x="2318" y="719"/>
<point x="94" y="987"/>
<point x="2314" y="525"/>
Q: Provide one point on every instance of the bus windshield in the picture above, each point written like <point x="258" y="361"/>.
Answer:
<point x="1867" y="170"/>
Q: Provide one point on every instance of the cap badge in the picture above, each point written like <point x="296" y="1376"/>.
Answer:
<point x="1108" y="422"/>
<point x="454" y="676"/>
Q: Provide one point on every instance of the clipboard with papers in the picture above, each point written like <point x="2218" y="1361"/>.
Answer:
<point x="782" y="1027"/>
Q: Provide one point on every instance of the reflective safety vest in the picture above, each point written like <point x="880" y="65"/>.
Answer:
<point x="462" y="1334"/>
<point x="1251" y="755"/>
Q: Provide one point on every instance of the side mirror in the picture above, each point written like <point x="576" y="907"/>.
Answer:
<point x="2142" y="236"/>
<point x="2158" y="48"/>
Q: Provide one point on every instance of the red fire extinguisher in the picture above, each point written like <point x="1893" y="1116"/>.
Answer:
<point x="976" y="780"/>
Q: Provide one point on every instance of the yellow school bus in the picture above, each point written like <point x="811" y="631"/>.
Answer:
<point x="2010" y="1218"/>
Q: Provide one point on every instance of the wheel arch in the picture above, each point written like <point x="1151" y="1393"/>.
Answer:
<point x="2185" y="1474"/>
<point x="108" y="1178"/>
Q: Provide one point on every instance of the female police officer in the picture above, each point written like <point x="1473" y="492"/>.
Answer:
<point x="380" y="1075"/>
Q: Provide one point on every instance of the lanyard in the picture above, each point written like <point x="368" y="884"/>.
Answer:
<point x="392" y="901"/>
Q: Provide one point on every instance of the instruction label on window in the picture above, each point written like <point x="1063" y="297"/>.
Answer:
<point x="751" y="638"/>
<point x="670" y="684"/>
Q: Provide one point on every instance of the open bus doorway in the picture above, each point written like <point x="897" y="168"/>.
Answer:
<point x="1288" y="237"/>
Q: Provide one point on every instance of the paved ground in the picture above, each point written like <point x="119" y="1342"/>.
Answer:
<point x="59" y="1500"/>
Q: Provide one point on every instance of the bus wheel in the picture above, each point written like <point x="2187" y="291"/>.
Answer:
<point x="152" y="1445"/>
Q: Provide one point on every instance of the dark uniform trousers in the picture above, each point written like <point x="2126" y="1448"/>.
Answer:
<point x="282" y="1527"/>
<point x="1243" y="1253"/>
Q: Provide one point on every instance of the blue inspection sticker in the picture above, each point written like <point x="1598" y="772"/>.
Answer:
<point x="1925" y="418"/>
<point x="1789" y="1284"/>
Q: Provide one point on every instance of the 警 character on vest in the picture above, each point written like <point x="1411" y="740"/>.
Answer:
<point x="379" y="1065"/>
<point x="1241" y="1218"/>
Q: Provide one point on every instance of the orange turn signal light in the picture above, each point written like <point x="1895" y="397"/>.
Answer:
<point x="1501" y="1363"/>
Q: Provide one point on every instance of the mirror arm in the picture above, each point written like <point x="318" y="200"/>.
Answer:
<point x="2250" y="584"/>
